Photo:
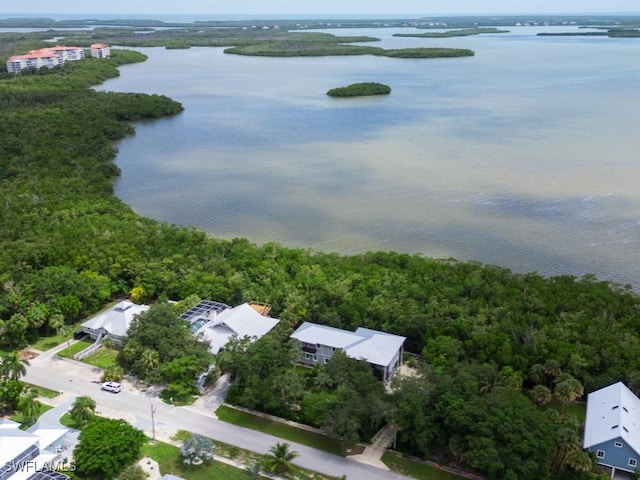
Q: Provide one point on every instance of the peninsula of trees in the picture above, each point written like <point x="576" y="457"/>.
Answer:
<point x="360" y="90"/>
<point x="453" y="33"/>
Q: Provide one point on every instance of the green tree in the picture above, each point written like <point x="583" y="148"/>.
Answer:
<point x="540" y="395"/>
<point x="108" y="342"/>
<point x="83" y="410"/>
<point x="107" y="446"/>
<point x="279" y="459"/>
<point x="112" y="373"/>
<point x="568" y="391"/>
<point x="12" y="367"/>
<point x="132" y="472"/>
<point x="10" y="391"/>
<point x="29" y="405"/>
<point x="56" y="321"/>
<point x="67" y="332"/>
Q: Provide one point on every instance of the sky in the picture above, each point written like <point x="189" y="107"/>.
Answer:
<point x="317" y="7"/>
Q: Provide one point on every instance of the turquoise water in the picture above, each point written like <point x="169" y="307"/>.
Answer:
<point x="524" y="156"/>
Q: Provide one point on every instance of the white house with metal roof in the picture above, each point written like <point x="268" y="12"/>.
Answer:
<point x="114" y="322"/>
<point x="612" y="428"/>
<point x="318" y="343"/>
<point x="31" y="454"/>
<point x="219" y="325"/>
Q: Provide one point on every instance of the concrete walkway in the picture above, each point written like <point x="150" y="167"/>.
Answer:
<point x="379" y="443"/>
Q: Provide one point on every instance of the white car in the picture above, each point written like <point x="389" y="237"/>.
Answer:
<point x="113" y="387"/>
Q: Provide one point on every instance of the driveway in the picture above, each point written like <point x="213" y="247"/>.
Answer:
<point x="76" y="379"/>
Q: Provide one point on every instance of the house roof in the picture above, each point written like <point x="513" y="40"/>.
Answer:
<point x="116" y="320"/>
<point x="377" y="347"/>
<point x="243" y="321"/>
<point x="47" y="434"/>
<point x="13" y="442"/>
<point x="612" y="412"/>
<point x="322" y="335"/>
<point x="373" y="346"/>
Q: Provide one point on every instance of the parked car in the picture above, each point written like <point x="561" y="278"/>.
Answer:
<point x="78" y="334"/>
<point x="113" y="387"/>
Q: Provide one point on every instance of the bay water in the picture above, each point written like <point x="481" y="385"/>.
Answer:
<point x="525" y="155"/>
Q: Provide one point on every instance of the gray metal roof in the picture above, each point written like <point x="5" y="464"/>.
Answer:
<point x="373" y="346"/>
<point x="117" y="319"/>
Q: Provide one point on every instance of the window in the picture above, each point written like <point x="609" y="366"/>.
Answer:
<point x="308" y="356"/>
<point x="633" y="462"/>
<point x="618" y="444"/>
<point x="326" y="360"/>
<point x="600" y="454"/>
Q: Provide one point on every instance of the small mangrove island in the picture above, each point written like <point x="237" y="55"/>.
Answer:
<point x="363" y="89"/>
<point x="453" y="33"/>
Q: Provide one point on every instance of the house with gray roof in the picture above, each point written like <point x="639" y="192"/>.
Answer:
<point x="114" y="322"/>
<point x="383" y="351"/>
<point x="612" y="428"/>
<point x="33" y="454"/>
<point x="219" y="323"/>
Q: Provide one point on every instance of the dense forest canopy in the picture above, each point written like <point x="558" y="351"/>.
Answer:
<point x="495" y="344"/>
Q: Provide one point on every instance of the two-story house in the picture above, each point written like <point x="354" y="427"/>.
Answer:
<point x="318" y="343"/>
<point x="612" y="428"/>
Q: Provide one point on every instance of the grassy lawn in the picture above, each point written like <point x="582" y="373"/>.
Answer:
<point x="18" y="417"/>
<point x="415" y="469"/>
<point x="103" y="358"/>
<point x="43" y="392"/>
<point x="67" y="421"/>
<point x="75" y="348"/>
<point x="277" y="429"/>
<point x="170" y="461"/>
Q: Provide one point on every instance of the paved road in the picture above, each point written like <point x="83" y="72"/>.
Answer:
<point x="138" y="407"/>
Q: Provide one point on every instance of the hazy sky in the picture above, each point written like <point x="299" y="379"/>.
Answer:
<point x="318" y="7"/>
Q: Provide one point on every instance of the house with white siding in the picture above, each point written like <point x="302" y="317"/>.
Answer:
<point x="612" y="429"/>
<point x="318" y="343"/>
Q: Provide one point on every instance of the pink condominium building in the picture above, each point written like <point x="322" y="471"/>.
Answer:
<point x="52" y="56"/>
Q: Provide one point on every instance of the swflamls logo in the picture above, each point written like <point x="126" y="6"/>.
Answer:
<point x="32" y="466"/>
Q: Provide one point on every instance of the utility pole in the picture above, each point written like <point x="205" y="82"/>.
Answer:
<point x="153" y="424"/>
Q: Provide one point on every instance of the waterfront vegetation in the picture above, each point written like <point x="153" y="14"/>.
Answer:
<point x="465" y="32"/>
<point x="292" y="49"/>
<point x="360" y="90"/>
<point x="496" y="347"/>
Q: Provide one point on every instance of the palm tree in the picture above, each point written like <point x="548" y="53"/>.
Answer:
<point x="567" y="391"/>
<point x="56" y="321"/>
<point x="279" y="458"/>
<point x="149" y="359"/>
<point x="254" y="470"/>
<point x="540" y="395"/>
<point x="83" y="409"/>
<point x="29" y="405"/>
<point x="12" y="367"/>
<point x="66" y="331"/>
